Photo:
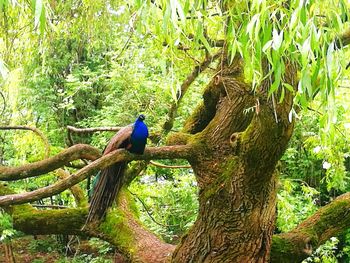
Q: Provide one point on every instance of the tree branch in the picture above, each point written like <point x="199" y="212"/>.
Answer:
<point x="91" y="130"/>
<point x="329" y="221"/>
<point x="4" y="106"/>
<point x="70" y="129"/>
<point x="78" y="193"/>
<point x="120" y="228"/>
<point x="184" y="87"/>
<point x="169" y="166"/>
<point x="75" y="152"/>
<point x="36" y="131"/>
<point x="166" y="152"/>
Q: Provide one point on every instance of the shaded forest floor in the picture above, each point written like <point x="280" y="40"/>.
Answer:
<point x="42" y="249"/>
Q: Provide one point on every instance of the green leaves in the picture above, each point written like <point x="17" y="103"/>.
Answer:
<point x="39" y="15"/>
<point x="3" y="70"/>
<point x="3" y="5"/>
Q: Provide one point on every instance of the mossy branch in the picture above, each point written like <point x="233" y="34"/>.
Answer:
<point x="166" y="152"/>
<point x="78" y="151"/>
<point x="120" y="228"/>
<point x="329" y="221"/>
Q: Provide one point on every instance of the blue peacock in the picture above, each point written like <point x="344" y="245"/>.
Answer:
<point x="110" y="180"/>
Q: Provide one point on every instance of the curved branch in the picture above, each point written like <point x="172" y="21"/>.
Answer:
<point x="75" y="152"/>
<point x="169" y="166"/>
<point x="36" y="131"/>
<point x="329" y="221"/>
<point x="166" y="152"/>
<point x="184" y="87"/>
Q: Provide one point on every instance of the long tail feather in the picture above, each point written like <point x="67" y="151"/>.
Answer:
<point x="106" y="190"/>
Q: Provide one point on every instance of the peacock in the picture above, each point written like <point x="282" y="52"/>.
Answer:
<point x="109" y="181"/>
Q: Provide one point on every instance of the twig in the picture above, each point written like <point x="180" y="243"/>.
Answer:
<point x="4" y="107"/>
<point x="132" y="30"/>
<point x="148" y="212"/>
<point x="91" y="130"/>
<point x="35" y="130"/>
<point x="335" y="126"/>
<point x="184" y="87"/>
<point x="170" y="166"/>
<point x="51" y="206"/>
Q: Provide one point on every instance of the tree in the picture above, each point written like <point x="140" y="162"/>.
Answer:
<point x="272" y="59"/>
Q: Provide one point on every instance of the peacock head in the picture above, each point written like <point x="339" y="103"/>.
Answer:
<point x="141" y="117"/>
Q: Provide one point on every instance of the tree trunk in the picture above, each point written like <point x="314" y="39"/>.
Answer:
<point x="9" y="257"/>
<point x="235" y="171"/>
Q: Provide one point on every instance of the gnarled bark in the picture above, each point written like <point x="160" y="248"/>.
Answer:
<point x="235" y="174"/>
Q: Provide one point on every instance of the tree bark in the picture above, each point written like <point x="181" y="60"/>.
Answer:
<point x="235" y="172"/>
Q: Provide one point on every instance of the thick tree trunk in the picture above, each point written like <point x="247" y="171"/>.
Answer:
<point x="235" y="172"/>
<point x="9" y="257"/>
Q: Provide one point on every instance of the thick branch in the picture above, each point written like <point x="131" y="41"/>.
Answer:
<point x="120" y="228"/>
<point x="167" y="152"/>
<point x="329" y="221"/>
<point x="36" y="131"/>
<point x="75" y="152"/>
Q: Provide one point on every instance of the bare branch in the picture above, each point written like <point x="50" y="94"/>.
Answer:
<point x="75" y="152"/>
<point x="51" y="206"/>
<point x="169" y="166"/>
<point x="166" y="152"/>
<point x="152" y="136"/>
<point x="91" y="130"/>
<point x="4" y="100"/>
<point x="35" y="130"/>
<point x="184" y="87"/>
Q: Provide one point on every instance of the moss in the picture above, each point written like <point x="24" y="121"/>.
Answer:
<point x="326" y="218"/>
<point x="281" y="249"/>
<point x="131" y="204"/>
<point x="221" y="181"/>
<point x="115" y="225"/>
<point x="178" y="138"/>
<point x="32" y="221"/>
<point x="229" y="166"/>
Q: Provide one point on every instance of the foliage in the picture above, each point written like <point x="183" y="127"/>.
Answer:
<point x="100" y="63"/>
<point x="84" y="258"/>
<point x="295" y="203"/>
<point x="102" y="246"/>
<point x="169" y="205"/>
<point x="6" y="229"/>
<point x="43" y="245"/>
<point x="326" y="253"/>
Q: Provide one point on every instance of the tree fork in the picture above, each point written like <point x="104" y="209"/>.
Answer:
<point x="235" y="171"/>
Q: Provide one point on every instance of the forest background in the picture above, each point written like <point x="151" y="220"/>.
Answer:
<point x="91" y="63"/>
